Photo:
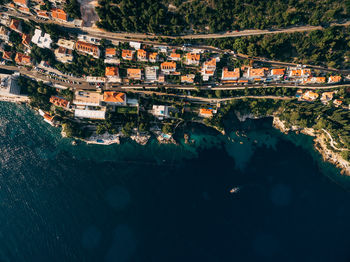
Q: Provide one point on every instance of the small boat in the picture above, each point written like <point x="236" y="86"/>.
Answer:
<point x="234" y="190"/>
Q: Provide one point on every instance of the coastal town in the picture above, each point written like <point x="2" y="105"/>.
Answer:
<point x="101" y="90"/>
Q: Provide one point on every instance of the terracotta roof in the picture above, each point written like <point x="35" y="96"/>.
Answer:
<point x="112" y="71"/>
<point x="337" y="102"/>
<point x="57" y="101"/>
<point x="278" y="71"/>
<point x="22" y="59"/>
<point x="168" y="65"/>
<point x="134" y="72"/>
<point x="175" y="55"/>
<point x="42" y="13"/>
<point x="188" y="78"/>
<point x="15" y="24"/>
<point x="205" y="111"/>
<point x="334" y="79"/>
<point x="193" y="57"/>
<point x="231" y="74"/>
<point x="115" y="97"/>
<point x="26" y="39"/>
<point x="7" y="55"/>
<point x="210" y="63"/>
<point x="59" y="14"/>
<point x="141" y="53"/>
<point x="153" y="56"/>
<point x="257" y="72"/>
<point x="111" y="51"/>
<point x="309" y="95"/>
<point x="127" y="54"/>
<point x="24" y="9"/>
<point x="21" y="2"/>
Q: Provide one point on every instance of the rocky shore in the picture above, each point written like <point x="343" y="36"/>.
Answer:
<point x="320" y="141"/>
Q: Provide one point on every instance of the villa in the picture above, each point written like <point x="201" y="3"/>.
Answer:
<point x="229" y="76"/>
<point x="41" y="40"/>
<point x="114" y="98"/>
<point x="168" y="67"/>
<point x="134" y="73"/>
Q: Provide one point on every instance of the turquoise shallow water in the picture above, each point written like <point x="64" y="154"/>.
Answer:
<point x="165" y="202"/>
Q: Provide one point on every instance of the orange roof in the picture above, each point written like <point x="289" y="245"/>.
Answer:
<point x="168" y="65"/>
<point x="25" y="39"/>
<point x="211" y="63"/>
<point x="187" y="78"/>
<point x="83" y="46"/>
<point x="257" y="72"/>
<point x="309" y="95"/>
<point x="14" y="25"/>
<point x="12" y="5"/>
<point x="134" y="72"/>
<point x="320" y="79"/>
<point x="205" y="111"/>
<point x="127" y="54"/>
<point x="7" y="55"/>
<point x="231" y="74"/>
<point x="57" y="101"/>
<point x="153" y="56"/>
<point x="112" y="71"/>
<point x="42" y="13"/>
<point x="24" y="9"/>
<point x="337" y="102"/>
<point x="141" y="53"/>
<point x="21" y="2"/>
<point x="22" y="59"/>
<point x="334" y="79"/>
<point x="48" y="117"/>
<point x="243" y="81"/>
<point x="278" y="71"/>
<point x="111" y="51"/>
<point x="193" y="57"/>
<point x="175" y="55"/>
<point x="59" y="14"/>
<point x="111" y="96"/>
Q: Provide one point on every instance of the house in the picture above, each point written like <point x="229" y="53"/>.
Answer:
<point x="87" y="48"/>
<point x="208" y="69"/>
<point x="299" y="72"/>
<point x="26" y="40"/>
<point x="91" y="113"/>
<point x="24" y="10"/>
<point x="278" y="72"/>
<point x="7" y="56"/>
<point x="128" y="54"/>
<point x="69" y="44"/>
<point x="63" y="54"/>
<point x="22" y="3"/>
<point x="309" y="96"/>
<point x="151" y="73"/>
<point x="15" y="25"/>
<point x="175" y="57"/>
<point x="135" y="45"/>
<point x="326" y="97"/>
<point x="189" y="79"/>
<point x="314" y="80"/>
<point x="334" y="79"/>
<point x="299" y="93"/>
<point x="114" y="98"/>
<point x="41" y="40"/>
<point x="22" y="59"/>
<point x="42" y="14"/>
<point x="257" y="72"/>
<point x="8" y="84"/>
<point x="228" y="76"/>
<point x="160" y="111"/>
<point x="153" y="57"/>
<point x="141" y="55"/>
<point x="60" y="102"/>
<point x="192" y="59"/>
<point x="204" y="112"/>
<point x="134" y="73"/>
<point x="4" y="33"/>
<point x="337" y="102"/>
<point x="90" y="39"/>
<point x="168" y="67"/>
<point x="161" y="79"/>
<point x="59" y="15"/>
<point x="110" y="52"/>
<point x="112" y="74"/>
<point x="87" y="98"/>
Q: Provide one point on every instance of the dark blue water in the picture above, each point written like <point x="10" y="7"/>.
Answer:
<point x="166" y="202"/>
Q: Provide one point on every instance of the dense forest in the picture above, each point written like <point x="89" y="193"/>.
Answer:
<point x="329" y="47"/>
<point x="179" y="16"/>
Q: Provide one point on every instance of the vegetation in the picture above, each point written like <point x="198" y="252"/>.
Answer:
<point x="177" y="16"/>
<point x="72" y="8"/>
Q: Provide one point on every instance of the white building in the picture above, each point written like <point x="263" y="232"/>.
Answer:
<point x="8" y="85"/>
<point x="135" y="45"/>
<point x="151" y="73"/>
<point x="42" y="41"/>
<point x="4" y="33"/>
<point x="160" y="111"/>
<point x="92" y="114"/>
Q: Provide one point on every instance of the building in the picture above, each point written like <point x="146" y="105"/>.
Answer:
<point x="91" y="113"/>
<point x="192" y="59"/>
<point x="135" y="45"/>
<point x="22" y="59"/>
<point x="142" y="55"/>
<point x="59" y="15"/>
<point x="208" y="69"/>
<point x="175" y="57"/>
<point x="314" y="80"/>
<point x="309" y="96"/>
<point x="90" y="39"/>
<point x="22" y="3"/>
<point x="7" y="56"/>
<point x="257" y="72"/>
<point x="24" y="10"/>
<point x="168" y="67"/>
<point x="299" y="72"/>
<point x="189" y="79"/>
<point x="69" y="44"/>
<point x="96" y="79"/>
<point x="15" y="25"/>
<point x="228" y="76"/>
<point x="337" y="102"/>
<point x="42" y="14"/>
<point x="41" y="40"/>
<point x="160" y="111"/>
<point x="128" y="54"/>
<point x="87" y="48"/>
<point x="112" y="74"/>
<point x="63" y="54"/>
<point x="87" y="98"/>
<point x="277" y="72"/>
<point x="151" y="73"/>
<point x="26" y="40"/>
<point x="8" y="84"/>
<point x="204" y="112"/>
<point x="114" y="98"/>
<point x="334" y="79"/>
<point x="60" y="102"/>
<point x="110" y="52"/>
<point x="134" y="73"/>
<point x="4" y="33"/>
<point x="326" y="97"/>
<point x="153" y="57"/>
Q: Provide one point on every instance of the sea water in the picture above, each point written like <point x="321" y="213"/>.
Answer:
<point x="168" y="202"/>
